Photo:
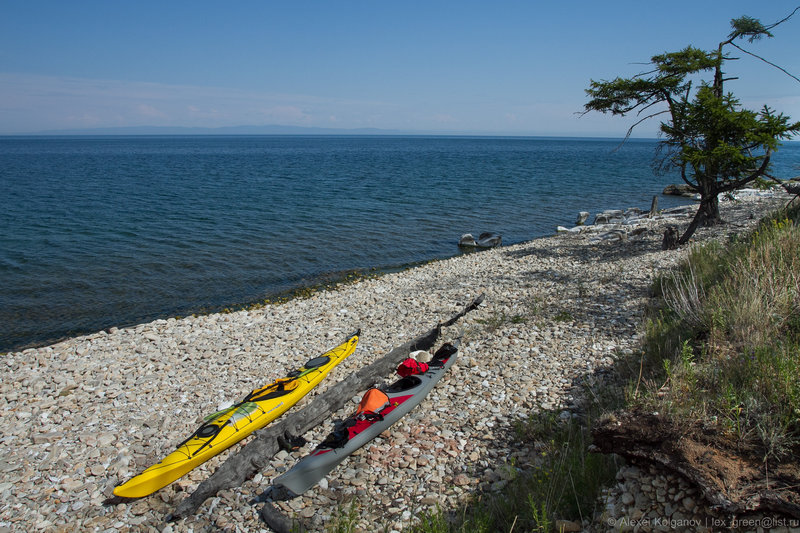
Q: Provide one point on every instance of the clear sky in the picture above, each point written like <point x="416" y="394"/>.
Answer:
<point x="501" y="67"/>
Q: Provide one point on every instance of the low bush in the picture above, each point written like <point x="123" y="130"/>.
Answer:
<point x="728" y="337"/>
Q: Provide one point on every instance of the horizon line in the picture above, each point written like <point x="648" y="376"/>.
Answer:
<point x="288" y="130"/>
<point x="271" y="129"/>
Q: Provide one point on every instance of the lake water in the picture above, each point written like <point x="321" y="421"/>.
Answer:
<point x="111" y="231"/>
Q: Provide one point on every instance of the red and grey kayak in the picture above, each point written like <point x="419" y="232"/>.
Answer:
<point x="378" y="410"/>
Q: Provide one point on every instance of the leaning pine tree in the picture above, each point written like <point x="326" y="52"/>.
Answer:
<point x="715" y="144"/>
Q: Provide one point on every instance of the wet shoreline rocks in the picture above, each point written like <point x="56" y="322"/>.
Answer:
<point x="82" y="415"/>
<point x="679" y="190"/>
<point x="618" y="224"/>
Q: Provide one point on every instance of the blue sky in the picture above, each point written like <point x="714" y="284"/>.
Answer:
<point x="503" y="67"/>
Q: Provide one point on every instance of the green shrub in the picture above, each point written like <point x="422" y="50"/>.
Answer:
<point x="728" y="338"/>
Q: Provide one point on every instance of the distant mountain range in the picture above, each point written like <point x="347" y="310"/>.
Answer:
<point x="230" y="130"/>
<point x="297" y="130"/>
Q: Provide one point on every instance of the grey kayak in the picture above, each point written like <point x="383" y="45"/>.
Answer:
<point x="353" y="433"/>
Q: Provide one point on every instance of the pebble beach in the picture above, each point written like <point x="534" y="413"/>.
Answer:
<point x="80" y="416"/>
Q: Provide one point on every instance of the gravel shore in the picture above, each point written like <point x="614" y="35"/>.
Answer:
<point x="82" y="415"/>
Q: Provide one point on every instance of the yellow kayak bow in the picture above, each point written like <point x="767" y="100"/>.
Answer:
<point x="223" y="429"/>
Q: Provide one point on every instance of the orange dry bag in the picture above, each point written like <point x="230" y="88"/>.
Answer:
<point x="373" y="401"/>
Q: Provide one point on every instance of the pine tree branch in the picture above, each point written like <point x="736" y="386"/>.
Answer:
<point x="643" y="119"/>
<point x="767" y="61"/>
<point x="790" y="15"/>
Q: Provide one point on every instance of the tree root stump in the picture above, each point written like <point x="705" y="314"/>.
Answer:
<point x="732" y="481"/>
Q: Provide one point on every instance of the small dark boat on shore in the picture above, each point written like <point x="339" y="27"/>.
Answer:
<point x="485" y="240"/>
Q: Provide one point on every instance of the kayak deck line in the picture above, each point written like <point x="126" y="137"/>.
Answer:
<point x="226" y="427"/>
<point x="364" y="425"/>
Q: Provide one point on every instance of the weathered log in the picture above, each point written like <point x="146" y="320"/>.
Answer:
<point x="278" y="522"/>
<point x="255" y="455"/>
<point x="274" y="517"/>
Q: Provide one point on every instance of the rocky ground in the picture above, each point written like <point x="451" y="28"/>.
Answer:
<point x="82" y="415"/>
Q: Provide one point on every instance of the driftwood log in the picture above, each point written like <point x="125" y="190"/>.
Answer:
<point x="279" y="522"/>
<point x="255" y="455"/>
<point x="275" y="518"/>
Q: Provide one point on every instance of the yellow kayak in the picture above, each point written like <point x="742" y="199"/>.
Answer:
<point x="223" y="429"/>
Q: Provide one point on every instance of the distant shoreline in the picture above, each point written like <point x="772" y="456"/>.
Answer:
<point x="299" y="131"/>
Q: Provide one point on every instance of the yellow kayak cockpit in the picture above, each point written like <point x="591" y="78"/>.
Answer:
<point x="225" y="428"/>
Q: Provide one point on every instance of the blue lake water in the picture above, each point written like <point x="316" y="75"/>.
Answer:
<point x="110" y="231"/>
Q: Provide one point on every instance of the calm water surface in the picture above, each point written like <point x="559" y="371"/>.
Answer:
<point x="104" y="231"/>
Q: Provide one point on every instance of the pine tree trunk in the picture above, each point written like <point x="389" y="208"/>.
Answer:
<point x="710" y="210"/>
<point x="707" y="215"/>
